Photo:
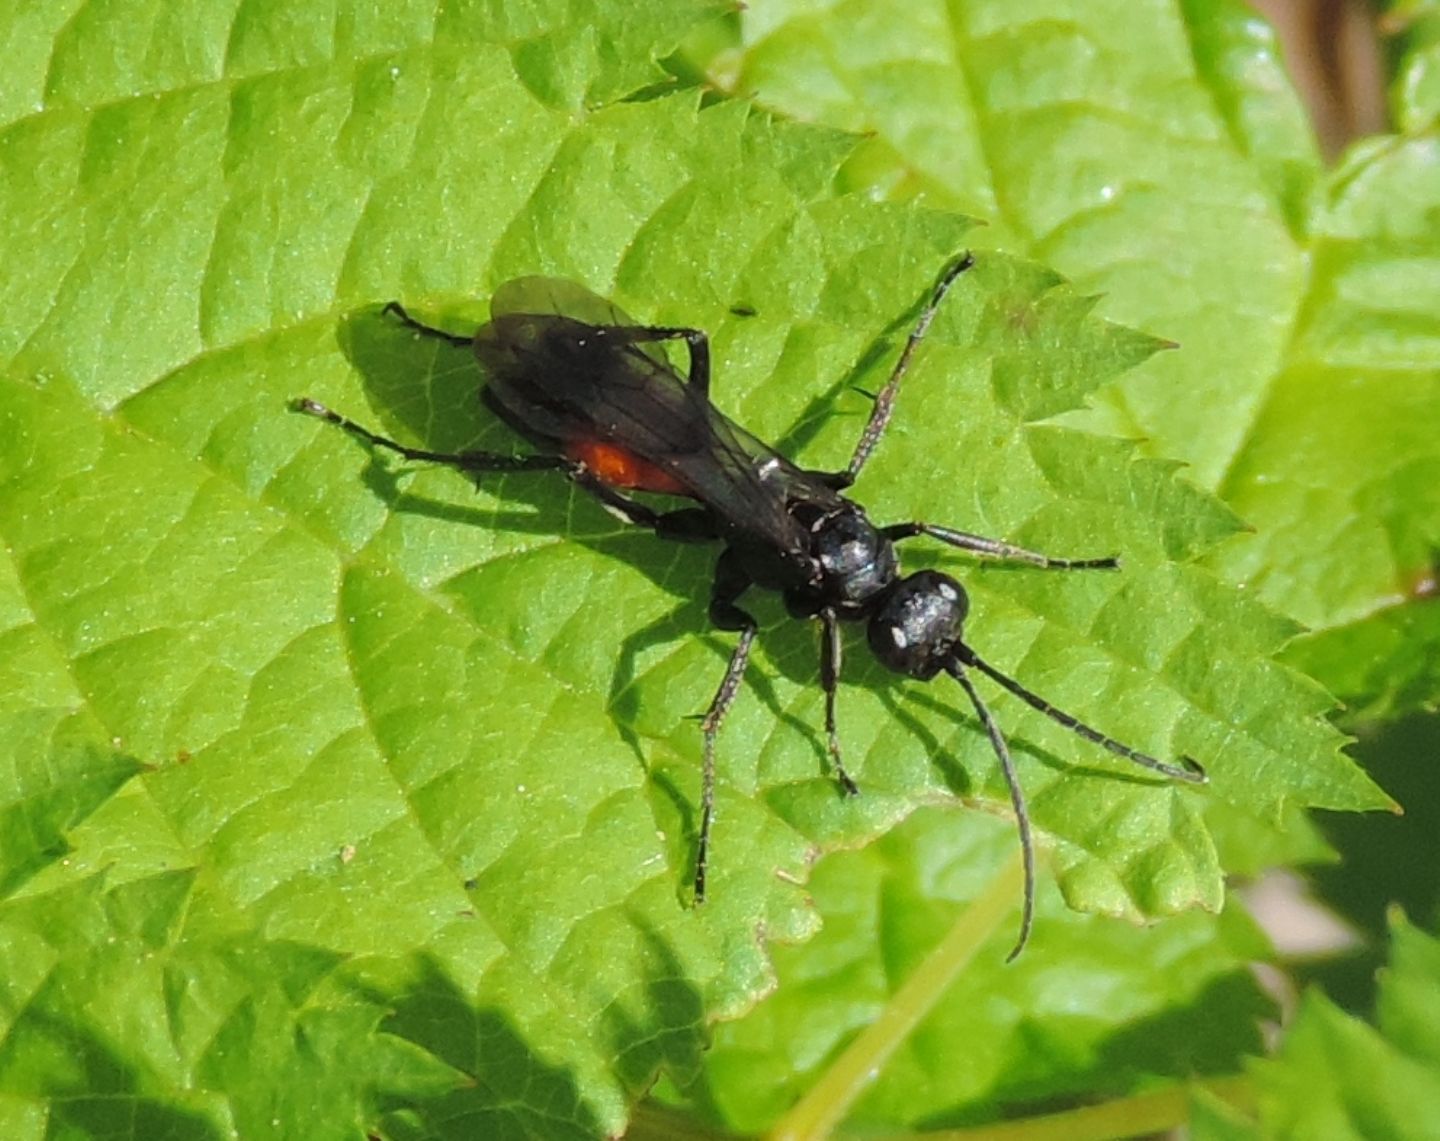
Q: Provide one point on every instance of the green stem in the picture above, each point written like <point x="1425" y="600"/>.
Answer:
<point x="827" y="1102"/>
<point x="1144" y="1114"/>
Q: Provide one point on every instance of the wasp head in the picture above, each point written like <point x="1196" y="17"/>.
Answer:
<point x="916" y="626"/>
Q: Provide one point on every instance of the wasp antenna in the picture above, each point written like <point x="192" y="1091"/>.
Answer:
<point x="313" y="408"/>
<point x="1017" y="801"/>
<point x="965" y="261"/>
<point x="1188" y="771"/>
<point x="1196" y="769"/>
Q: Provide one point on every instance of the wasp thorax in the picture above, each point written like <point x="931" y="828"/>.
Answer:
<point x="915" y="628"/>
<point x="857" y="559"/>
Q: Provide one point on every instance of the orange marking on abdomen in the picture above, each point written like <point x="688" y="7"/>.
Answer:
<point x="617" y="467"/>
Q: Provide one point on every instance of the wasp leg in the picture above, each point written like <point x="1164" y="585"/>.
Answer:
<point x="426" y="330"/>
<point x="688" y="525"/>
<point x="730" y="583"/>
<point x="697" y="342"/>
<point x="831" y="653"/>
<point x="996" y="548"/>
<point x="465" y="461"/>
<point x="885" y="400"/>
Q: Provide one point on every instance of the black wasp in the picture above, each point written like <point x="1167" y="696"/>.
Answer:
<point x="595" y="393"/>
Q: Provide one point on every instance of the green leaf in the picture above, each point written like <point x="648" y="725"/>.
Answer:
<point x="1337" y="1077"/>
<point x="1382" y="665"/>
<point x="1415" y="94"/>
<point x="1133" y="1005"/>
<point x="341" y="797"/>
<point x="1160" y="157"/>
<point x="1342" y="469"/>
<point x="1113" y="144"/>
<point x="1384" y="862"/>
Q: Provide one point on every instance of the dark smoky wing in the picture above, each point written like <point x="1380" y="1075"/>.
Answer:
<point x="674" y="426"/>
<point x="560" y="297"/>
<point x="556" y="297"/>
<point x="563" y="380"/>
<point x="742" y="479"/>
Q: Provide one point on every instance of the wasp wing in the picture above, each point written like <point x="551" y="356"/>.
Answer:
<point x="560" y="297"/>
<point x="577" y="376"/>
